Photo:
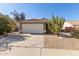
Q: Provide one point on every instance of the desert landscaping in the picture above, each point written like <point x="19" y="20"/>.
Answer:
<point x="28" y="32"/>
<point x="40" y="45"/>
<point x="61" y="43"/>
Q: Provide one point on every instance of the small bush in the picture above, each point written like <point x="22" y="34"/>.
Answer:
<point x="6" y="24"/>
<point x="11" y="26"/>
<point x="75" y="34"/>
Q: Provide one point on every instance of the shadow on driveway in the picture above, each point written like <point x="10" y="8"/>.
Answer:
<point x="5" y="40"/>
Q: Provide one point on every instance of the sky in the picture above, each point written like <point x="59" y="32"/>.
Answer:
<point x="69" y="11"/>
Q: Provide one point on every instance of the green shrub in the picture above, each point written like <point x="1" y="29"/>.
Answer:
<point x="75" y="34"/>
<point x="11" y="26"/>
<point x="6" y="24"/>
<point x="55" y="24"/>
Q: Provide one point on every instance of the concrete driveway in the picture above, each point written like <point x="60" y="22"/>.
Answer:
<point x="30" y="41"/>
<point x="34" y="46"/>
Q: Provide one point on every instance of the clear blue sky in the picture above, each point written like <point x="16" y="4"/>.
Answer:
<point x="69" y="11"/>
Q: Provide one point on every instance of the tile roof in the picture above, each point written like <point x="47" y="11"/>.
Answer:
<point x="35" y="20"/>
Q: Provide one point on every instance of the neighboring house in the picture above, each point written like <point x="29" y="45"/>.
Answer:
<point x="67" y="26"/>
<point x="33" y="26"/>
<point x="71" y="25"/>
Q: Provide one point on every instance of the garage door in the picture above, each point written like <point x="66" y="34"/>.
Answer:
<point x="33" y="28"/>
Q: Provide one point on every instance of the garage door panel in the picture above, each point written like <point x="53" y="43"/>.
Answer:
<point x="33" y="28"/>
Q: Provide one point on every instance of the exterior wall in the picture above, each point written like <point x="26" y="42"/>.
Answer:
<point x="67" y="24"/>
<point x="44" y="26"/>
<point x="17" y="26"/>
<point x="33" y="28"/>
<point x="69" y="27"/>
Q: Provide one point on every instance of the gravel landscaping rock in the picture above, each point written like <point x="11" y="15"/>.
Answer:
<point x="50" y="41"/>
<point x="7" y="39"/>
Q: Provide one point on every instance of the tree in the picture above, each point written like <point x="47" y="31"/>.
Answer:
<point x="55" y="24"/>
<point x="22" y="16"/>
<point x="6" y="24"/>
<point x="16" y="15"/>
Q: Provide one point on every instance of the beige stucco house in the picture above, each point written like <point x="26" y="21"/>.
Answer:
<point x="33" y="26"/>
<point x="71" y="25"/>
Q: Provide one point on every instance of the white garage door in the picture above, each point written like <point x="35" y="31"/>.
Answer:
<point x="33" y="28"/>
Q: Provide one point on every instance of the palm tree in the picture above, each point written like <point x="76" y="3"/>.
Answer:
<point x="55" y="24"/>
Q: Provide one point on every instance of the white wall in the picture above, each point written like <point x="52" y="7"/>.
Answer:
<point x="67" y="24"/>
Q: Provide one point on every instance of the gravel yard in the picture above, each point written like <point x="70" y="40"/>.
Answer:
<point x="50" y="41"/>
<point x="5" y="40"/>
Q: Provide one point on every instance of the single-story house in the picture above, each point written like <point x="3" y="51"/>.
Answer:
<point x="71" y="25"/>
<point x="40" y="26"/>
<point x="33" y="26"/>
